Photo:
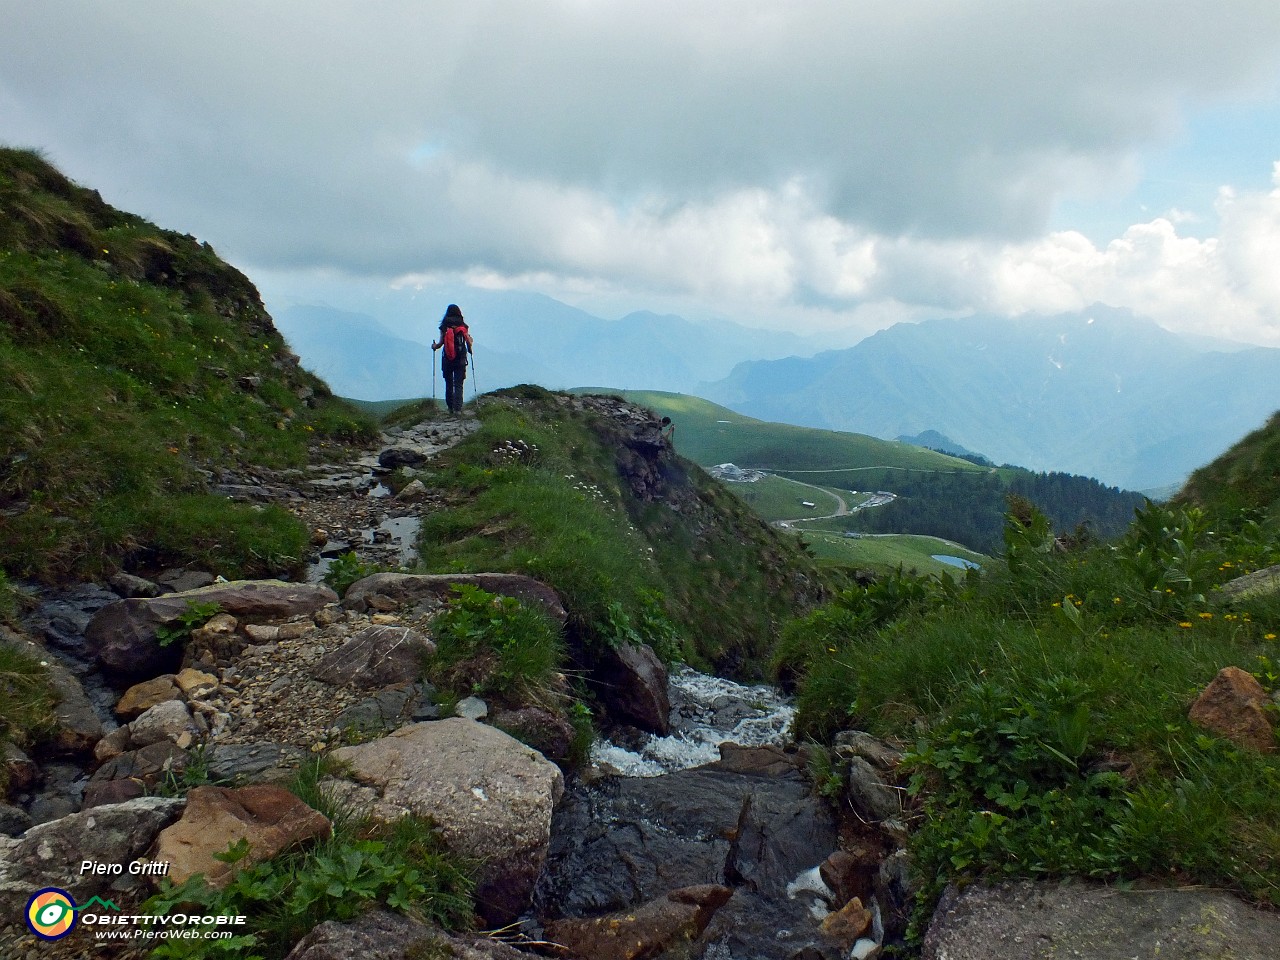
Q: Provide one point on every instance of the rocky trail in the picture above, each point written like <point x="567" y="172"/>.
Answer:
<point x="694" y="833"/>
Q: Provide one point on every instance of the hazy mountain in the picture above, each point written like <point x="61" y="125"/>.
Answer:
<point x="521" y="338"/>
<point x="1101" y="393"/>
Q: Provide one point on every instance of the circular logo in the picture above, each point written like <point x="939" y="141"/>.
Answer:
<point x="51" y="913"/>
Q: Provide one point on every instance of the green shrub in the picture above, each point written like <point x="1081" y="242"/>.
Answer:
<point x="499" y="648"/>
<point x="27" y="702"/>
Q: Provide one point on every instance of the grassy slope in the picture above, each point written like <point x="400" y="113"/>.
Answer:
<point x="1246" y="477"/>
<point x="709" y="434"/>
<point x="694" y="558"/>
<point x="132" y="363"/>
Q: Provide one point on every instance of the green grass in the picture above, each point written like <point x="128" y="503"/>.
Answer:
<point x="694" y="573"/>
<point x="777" y="498"/>
<point x="1016" y="685"/>
<point x="27" y="701"/>
<point x="887" y="553"/>
<point x="710" y="434"/>
<point x="402" y="866"/>
<point x="132" y="362"/>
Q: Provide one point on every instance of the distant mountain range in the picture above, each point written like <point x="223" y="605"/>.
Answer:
<point x="1101" y="393"/>
<point x="523" y="338"/>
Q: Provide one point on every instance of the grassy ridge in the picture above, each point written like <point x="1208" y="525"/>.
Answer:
<point x="709" y="434"/>
<point x="133" y="364"/>
<point x="537" y="490"/>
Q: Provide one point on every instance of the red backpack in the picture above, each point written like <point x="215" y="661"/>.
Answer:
<point x="455" y="342"/>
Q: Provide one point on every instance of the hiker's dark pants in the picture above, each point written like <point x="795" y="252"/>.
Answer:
<point x="455" y="372"/>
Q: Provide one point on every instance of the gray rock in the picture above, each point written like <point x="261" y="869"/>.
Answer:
<point x="14" y="821"/>
<point x="471" y="708"/>
<point x="632" y="683"/>
<point x="389" y="709"/>
<point x="127" y="585"/>
<point x="253" y="762"/>
<point x="1257" y="584"/>
<point x="376" y="657"/>
<point x="407" y="588"/>
<point x="870" y="795"/>
<point x="50" y="854"/>
<point x="167" y="721"/>
<point x="490" y="796"/>
<point x="1038" y="921"/>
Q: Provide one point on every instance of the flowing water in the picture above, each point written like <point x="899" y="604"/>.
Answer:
<point x="706" y="711"/>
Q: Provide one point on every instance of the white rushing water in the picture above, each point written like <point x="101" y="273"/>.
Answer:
<point x="706" y="711"/>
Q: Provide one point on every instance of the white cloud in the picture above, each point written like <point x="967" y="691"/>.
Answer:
<point x="836" y="161"/>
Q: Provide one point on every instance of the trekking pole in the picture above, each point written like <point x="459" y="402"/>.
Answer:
<point x="433" y="378"/>
<point x="475" y="386"/>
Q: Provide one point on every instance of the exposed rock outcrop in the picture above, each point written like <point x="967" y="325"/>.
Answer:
<point x="388" y="591"/>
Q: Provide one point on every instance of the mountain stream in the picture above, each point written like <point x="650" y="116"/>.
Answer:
<point x="723" y="800"/>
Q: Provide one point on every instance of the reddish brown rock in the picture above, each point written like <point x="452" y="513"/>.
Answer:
<point x="376" y="657"/>
<point x="644" y="931"/>
<point x="1232" y="706"/>
<point x="632" y="684"/>
<point x="269" y="818"/>
<point x="847" y="924"/>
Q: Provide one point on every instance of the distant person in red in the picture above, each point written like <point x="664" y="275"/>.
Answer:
<point x="456" y="342"/>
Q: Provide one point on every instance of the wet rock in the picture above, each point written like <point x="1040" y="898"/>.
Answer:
<point x="269" y="818"/>
<point x="61" y="618"/>
<point x="378" y="656"/>
<point x="395" y="458"/>
<point x="1030" y="921"/>
<point x="620" y="843"/>
<point x="490" y="796"/>
<point x="48" y="853"/>
<point x="122" y="635"/>
<point x="1234" y="706"/>
<point x="632" y="683"/>
<point x="644" y="931"/>
<point x="762" y="761"/>
<point x="78" y="727"/>
<point x="391" y="590"/>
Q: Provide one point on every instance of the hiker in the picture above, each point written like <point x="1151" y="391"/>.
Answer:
<point x="456" y="341"/>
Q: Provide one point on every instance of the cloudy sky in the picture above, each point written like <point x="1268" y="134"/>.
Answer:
<point x="838" y="163"/>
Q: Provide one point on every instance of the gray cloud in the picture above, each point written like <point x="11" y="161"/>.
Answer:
<point x="616" y="141"/>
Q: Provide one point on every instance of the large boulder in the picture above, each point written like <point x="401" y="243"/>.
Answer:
<point x="1032" y="921"/>
<point x="50" y="854"/>
<point x="269" y="818"/>
<point x="490" y="796"/>
<point x="122" y="635"/>
<point x="1235" y="706"/>
<point x="387" y="591"/>
<point x="632" y="683"/>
